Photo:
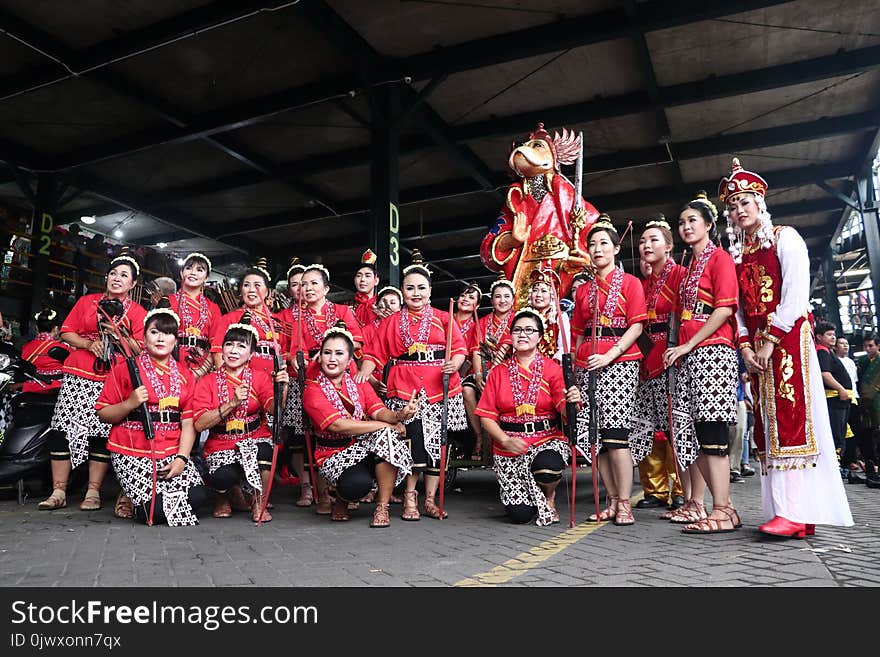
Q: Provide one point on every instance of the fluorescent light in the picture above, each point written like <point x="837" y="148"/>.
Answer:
<point x="89" y="220"/>
<point x="161" y="245"/>
<point x="117" y="234"/>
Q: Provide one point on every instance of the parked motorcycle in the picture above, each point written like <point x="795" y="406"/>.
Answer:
<point x="24" y="446"/>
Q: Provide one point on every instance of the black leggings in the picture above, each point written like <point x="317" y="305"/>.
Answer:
<point x="59" y="447"/>
<point x="422" y="461"/>
<point x="227" y="476"/>
<point x="357" y="481"/>
<point x="713" y="437"/>
<point x="547" y="467"/>
<point x="197" y="496"/>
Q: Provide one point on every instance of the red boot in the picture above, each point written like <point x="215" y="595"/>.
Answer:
<point x="779" y="526"/>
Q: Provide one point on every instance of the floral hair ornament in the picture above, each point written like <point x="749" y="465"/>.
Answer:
<point x="528" y="311"/>
<point x="163" y="307"/>
<point x="198" y="256"/>
<point x="418" y="265"/>
<point x="390" y="288"/>
<point x="501" y="280"/>
<point x="740" y="181"/>
<point x="339" y="329"/>
<point x="658" y="223"/>
<point x="124" y="256"/>
<point x="244" y="323"/>
<point x="262" y="265"/>
<point x="318" y="267"/>
<point x="48" y="317"/>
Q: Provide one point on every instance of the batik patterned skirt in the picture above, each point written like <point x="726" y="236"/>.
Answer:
<point x="76" y="417"/>
<point x="135" y="475"/>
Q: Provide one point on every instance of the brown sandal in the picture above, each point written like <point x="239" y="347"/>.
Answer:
<point x="123" y="508"/>
<point x="691" y="512"/>
<point x="257" y="505"/>
<point x="624" y="515"/>
<point x="91" y="501"/>
<point x="410" y="505"/>
<point x="433" y="511"/>
<point x="381" y="517"/>
<point x="238" y="500"/>
<point x="306" y="497"/>
<point x="340" y="510"/>
<point x="609" y="512"/>
<point x="324" y="505"/>
<point x="222" y="508"/>
<point x="716" y="525"/>
<point x="57" y="500"/>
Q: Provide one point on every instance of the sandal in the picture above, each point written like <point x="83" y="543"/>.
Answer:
<point x="624" y="514"/>
<point x="92" y="501"/>
<point x="369" y="498"/>
<point x="380" y="515"/>
<point x="57" y="500"/>
<point x="123" y="508"/>
<point x="410" y="505"/>
<point x="306" y="497"/>
<point x="257" y="505"/>
<point x="551" y="502"/>
<point x="324" y="505"/>
<point x="716" y="525"/>
<point x="433" y="510"/>
<point x="340" y="510"/>
<point x="609" y="512"/>
<point x="692" y="512"/>
<point x="353" y="506"/>
<point x="395" y="500"/>
<point x="222" y="508"/>
<point x="238" y="500"/>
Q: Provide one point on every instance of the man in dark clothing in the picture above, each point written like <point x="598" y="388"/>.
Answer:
<point x="837" y="384"/>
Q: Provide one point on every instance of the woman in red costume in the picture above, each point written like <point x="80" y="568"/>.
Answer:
<point x="521" y="409"/>
<point x="79" y="433"/>
<point x="198" y="315"/>
<point x="414" y="341"/>
<point x="167" y="391"/>
<point x="705" y="393"/>
<point x="543" y="297"/>
<point x="800" y="481"/>
<point x="618" y="301"/>
<point x="358" y="440"/>
<point x="37" y="351"/>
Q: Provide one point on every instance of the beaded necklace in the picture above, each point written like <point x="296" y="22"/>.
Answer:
<point x="167" y="398"/>
<point x="333" y="397"/>
<point x="526" y="402"/>
<point x="329" y="321"/>
<point x="615" y="285"/>
<point x="187" y="326"/>
<point x="424" y="330"/>
<point x="655" y="288"/>
<point x="691" y="284"/>
<point x="239" y="414"/>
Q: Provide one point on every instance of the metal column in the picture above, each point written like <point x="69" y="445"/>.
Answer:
<point x="384" y="215"/>
<point x="868" y="198"/>
<point x="45" y="199"/>
<point x="832" y="303"/>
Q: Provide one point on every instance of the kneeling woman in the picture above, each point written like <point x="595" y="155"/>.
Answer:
<point x="232" y="403"/>
<point x="358" y="440"/>
<point x="520" y="410"/>
<point x="167" y="391"/>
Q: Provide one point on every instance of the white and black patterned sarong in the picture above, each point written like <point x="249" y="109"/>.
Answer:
<point x="616" y="387"/>
<point x="245" y="454"/>
<point x="705" y="391"/>
<point x="293" y="410"/>
<point x="385" y="444"/>
<point x="429" y="414"/>
<point x="135" y="475"/>
<point x="651" y="414"/>
<point x="75" y="415"/>
<point x="518" y="485"/>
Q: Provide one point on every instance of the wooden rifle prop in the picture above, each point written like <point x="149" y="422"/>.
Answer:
<point x="278" y="393"/>
<point x="301" y="379"/>
<point x="444" y="412"/>
<point x="147" y="422"/>
<point x="672" y="341"/>
<point x="571" y="409"/>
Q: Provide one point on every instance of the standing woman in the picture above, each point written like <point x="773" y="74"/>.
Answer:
<point x="292" y="420"/>
<point x="358" y="439"/>
<point x="167" y="391"/>
<point x="494" y="328"/>
<point x="543" y="296"/>
<point x="198" y="315"/>
<point x="705" y="402"/>
<point x="255" y="286"/>
<point x="79" y="433"/>
<point x="660" y="284"/>
<point x="521" y="407"/>
<point x="466" y="316"/>
<point x="389" y="300"/>
<point x="233" y="402"/>
<point x="800" y="480"/>
<point x="414" y="340"/>
<point x="617" y="299"/>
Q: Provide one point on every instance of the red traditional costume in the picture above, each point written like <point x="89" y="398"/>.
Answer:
<point x="527" y="404"/>
<point x="198" y="317"/>
<point x="36" y="352"/>
<point x="316" y="323"/>
<point x="74" y="412"/>
<point x="792" y="431"/>
<point x="548" y="200"/>
<point x="169" y="389"/>
<point x="264" y="354"/>
<point x="495" y="332"/>
<point x="363" y="302"/>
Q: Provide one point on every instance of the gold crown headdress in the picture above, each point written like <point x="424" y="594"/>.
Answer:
<point x="199" y="256"/>
<point x="418" y="264"/>
<point x="703" y="199"/>
<point x="262" y="265"/>
<point x="659" y="222"/>
<point x="604" y="221"/>
<point x="369" y="258"/>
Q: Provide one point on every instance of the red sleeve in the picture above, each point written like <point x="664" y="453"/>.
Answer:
<point x="636" y="310"/>
<point x="372" y="403"/>
<point x="218" y="331"/>
<point x="320" y="411"/>
<point x="205" y="395"/>
<point x="75" y="322"/>
<point x="117" y="387"/>
<point x="723" y="276"/>
<point x="488" y="406"/>
<point x="581" y="308"/>
<point x="554" y="378"/>
<point x="186" y="395"/>
<point x="135" y="318"/>
<point x="352" y="325"/>
<point x="379" y="349"/>
<point x="263" y="389"/>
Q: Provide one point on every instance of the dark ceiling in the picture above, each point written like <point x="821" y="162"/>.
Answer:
<point x="247" y="129"/>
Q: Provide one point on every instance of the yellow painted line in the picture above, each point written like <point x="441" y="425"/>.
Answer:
<point x="535" y="556"/>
